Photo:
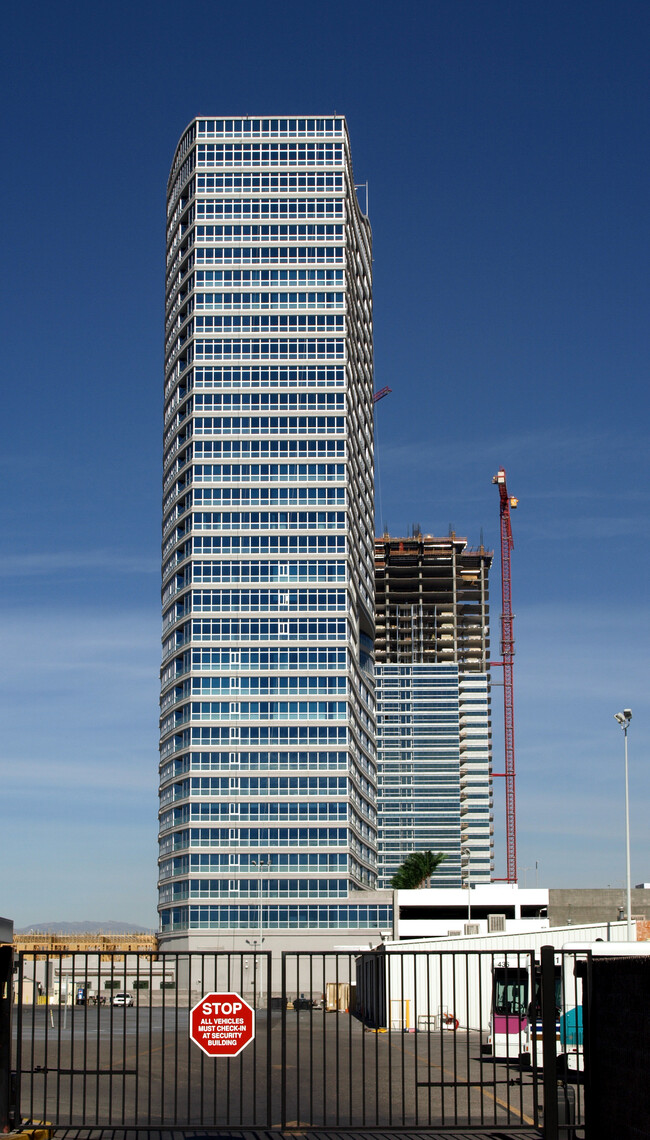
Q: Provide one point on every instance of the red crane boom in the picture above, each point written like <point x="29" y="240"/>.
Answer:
<point x="380" y="394"/>
<point x="507" y="654"/>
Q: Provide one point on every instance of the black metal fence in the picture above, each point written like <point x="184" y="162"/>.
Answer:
<point x="384" y="1039"/>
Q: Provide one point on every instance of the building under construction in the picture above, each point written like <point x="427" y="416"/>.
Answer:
<point x="432" y="654"/>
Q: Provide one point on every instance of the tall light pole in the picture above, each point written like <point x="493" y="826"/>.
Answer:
<point x="624" y="719"/>
<point x="259" y="865"/>
<point x="466" y="851"/>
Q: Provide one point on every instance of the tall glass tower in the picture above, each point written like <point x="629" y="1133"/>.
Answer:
<point x="267" y="729"/>
<point x="433" y="706"/>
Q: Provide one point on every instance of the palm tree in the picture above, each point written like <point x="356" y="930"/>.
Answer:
<point x="416" y="869"/>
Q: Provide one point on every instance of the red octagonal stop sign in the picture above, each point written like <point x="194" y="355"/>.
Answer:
<point x="222" y="1024"/>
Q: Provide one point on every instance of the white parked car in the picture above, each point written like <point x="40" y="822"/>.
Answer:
<point x="122" y="999"/>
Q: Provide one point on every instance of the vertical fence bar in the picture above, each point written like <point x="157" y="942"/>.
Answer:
<point x="468" y="1065"/>
<point x="587" y="996"/>
<point x="428" y="1024"/>
<point x="110" y="1041"/>
<point x="98" y="1006"/>
<point x="196" y="1058"/>
<point x="549" y="1046"/>
<point x="19" y="1044"/>
<point x="363" y="1051"/>
<point x="234" y="987"/>
<point x="124" y="1008"/>
<point x="441" y="990"/>
<point x="86" y="999"/>
<point x="46" y="1033"/>
<point x="6" y="978"/>
<point x="389" y="1029"/>
<point x="533" y="1041"/>
<point x="136" y="1063"/>
<point x="269" y="1039"/>
<point x="454" y="1040"/>
<point x="311" y="1046"/>
<point x="479" y="967"/>
<point x="579" y="987"/>
<point x="373" y="1018"/>
<point x="416" y="960"/>
<point x="58" y="1038"/>
<point x="404" y="1026"/>
<point x="494" y="1037"/>
<point x="164" y="1017"/>
<point x="150" y="1031"/>
<point x="32" y="1054"/>
<point x="283" y="1071"/>
<point x="296" y="1022"/>
<point x="531" y="974"/>
<point x="324" y="1037"/>
<point x="73" y="1020"/>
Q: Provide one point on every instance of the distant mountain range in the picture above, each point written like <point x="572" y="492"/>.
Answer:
<point x="110" y="926"/>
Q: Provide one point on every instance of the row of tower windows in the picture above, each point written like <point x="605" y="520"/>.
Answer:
<point x="269" y="208"/>
<point x="213" y="128"/>
<point x="257" y="300"/>
<point x="295" y="472"/>
<point x="305" y="917"/>
<point x="269" y="862"/>
<point x="281" y="425"/>
<point x="270" y="154"/>
<point x="276" y="233"/>
<point x="315" y="182"/>
<point x="284" y="323"/>
<point x="324" y="349"/>
<point x="270" y="255"/>
<point x="206" y="278"/>
<point x="265" y="520"/>
<point x="254" y="888"/>
<point x="245" y="571"/>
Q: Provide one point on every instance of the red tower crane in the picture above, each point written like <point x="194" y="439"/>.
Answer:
<point x="507" y="502"/>
<point x="380" y="394"/>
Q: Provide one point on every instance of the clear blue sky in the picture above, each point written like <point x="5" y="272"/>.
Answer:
<point x="507" y="150"/>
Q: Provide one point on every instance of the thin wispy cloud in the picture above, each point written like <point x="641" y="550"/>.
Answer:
<point x="52" y="562"/>
<point x="118" y="774"/>
<point x="434" y="454"/>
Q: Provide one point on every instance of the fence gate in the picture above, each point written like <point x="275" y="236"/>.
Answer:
<point x="378" y="1040"/>
<point x="102" y="1041"/>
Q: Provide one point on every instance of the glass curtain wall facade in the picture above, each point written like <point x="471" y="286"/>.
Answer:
<point x="419" y="771"/>
<point x="267" y="728"/>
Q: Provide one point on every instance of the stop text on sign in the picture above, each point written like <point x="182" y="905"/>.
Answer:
<point x="222" y="1024"/>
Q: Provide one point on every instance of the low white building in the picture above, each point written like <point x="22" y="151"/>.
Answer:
<point x="486" y="908"/>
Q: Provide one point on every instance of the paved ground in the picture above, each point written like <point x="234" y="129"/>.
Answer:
<point x="115" y="1068"/>
<point x="320" y="1134"/>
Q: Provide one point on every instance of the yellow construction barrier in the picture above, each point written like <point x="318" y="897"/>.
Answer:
<point x="41" y="1131"/>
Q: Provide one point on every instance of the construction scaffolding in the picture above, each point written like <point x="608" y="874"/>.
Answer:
<point x="54" y="942"/>
<point x="431" y="602"/>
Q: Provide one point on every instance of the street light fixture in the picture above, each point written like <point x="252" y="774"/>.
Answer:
<point x="624" y="719"/>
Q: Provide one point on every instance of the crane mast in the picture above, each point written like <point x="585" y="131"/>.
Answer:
<point x="507" y="655"/>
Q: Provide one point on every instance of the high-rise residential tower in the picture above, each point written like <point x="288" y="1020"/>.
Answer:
<point x="433" y="706"/>
<point x="267" y="754"/>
